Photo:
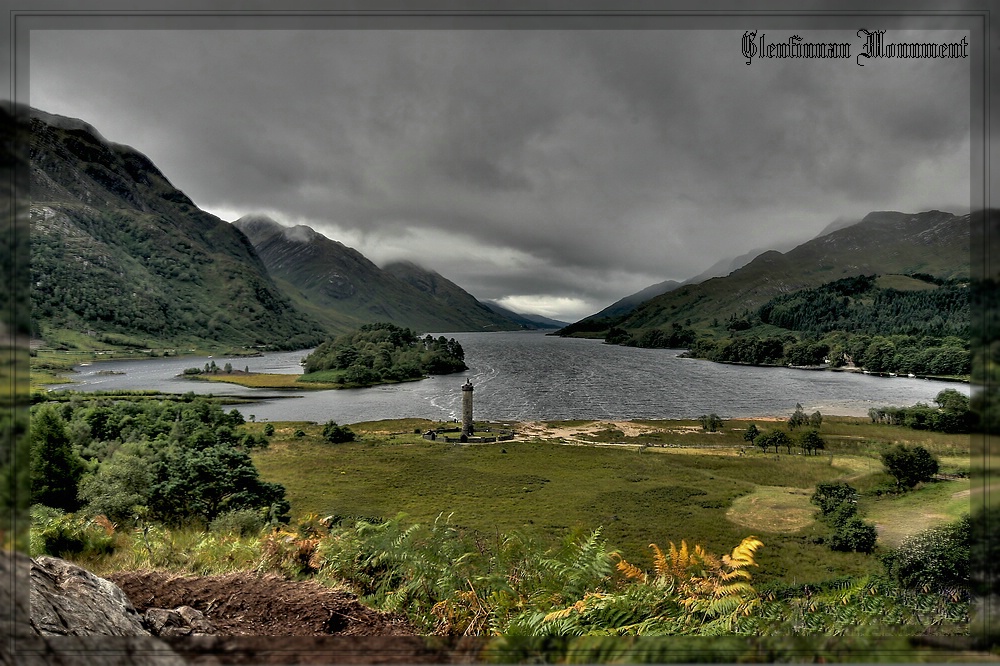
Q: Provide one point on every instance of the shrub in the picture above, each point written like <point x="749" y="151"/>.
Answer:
<point x="268" y="430"/>
<point x="711" y="422"/>
<point x="63" y="534"/>
<point x="241" y="522"/>
<point x="830" y="495"/>
<point x="120" y="486"/>
<point x="909" y="466"/>
<point x="337" y="434"/>
<point x="934" y="559"/>
<point x="855" y="534"/>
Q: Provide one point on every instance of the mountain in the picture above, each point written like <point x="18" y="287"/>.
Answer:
<point x="459" y="308"/>
<point x="837" y="225"/>
<point x="119" y="256"/>
<point x="627" y="304"/>
<point x="724" y="267"/>
<point x="527" y="321"/>
<point x="339" y="286"/>
<point x="15" y="308"/>
<point x="933" y="242"/>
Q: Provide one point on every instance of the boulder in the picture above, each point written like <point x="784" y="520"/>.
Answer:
<point x="69" y="601"/>
<point x="63" y="615"/>
<point x="181" y="621"/>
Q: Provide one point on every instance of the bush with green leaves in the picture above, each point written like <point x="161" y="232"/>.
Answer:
<point x="854" y="534"/>
<point x="169" y="460"/>
<point x="120" y="487"/>
<point x="241" y="522"/>
<point x="710" y="422"/>
<point x="909" y="466"/>
<point x="936" y="559"/>
<point x="337" y="434"/>
<point x="830" y="495"/>
<point x="60" y="534"/>
<point x="201" y="484"/>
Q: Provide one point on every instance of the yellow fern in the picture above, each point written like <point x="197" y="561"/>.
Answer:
<point x="629" y="570"/>
<point x="660" y="564"/>
<point x="580" y="606"/>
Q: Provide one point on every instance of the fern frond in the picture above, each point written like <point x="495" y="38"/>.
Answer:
<point x="558" y="615"/>
<point x="679" y="559"/>
<point x="743" y="554"/>
<point x="630" y="571"/>
<point x="660" y="564"/>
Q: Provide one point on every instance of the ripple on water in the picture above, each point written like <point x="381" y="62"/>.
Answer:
<point x="527" y="376"/>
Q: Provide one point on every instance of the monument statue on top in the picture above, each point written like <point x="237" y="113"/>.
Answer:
<point x="467" y="428"/>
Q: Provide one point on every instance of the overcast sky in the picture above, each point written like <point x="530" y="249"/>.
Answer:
<point x="552" y="170"/>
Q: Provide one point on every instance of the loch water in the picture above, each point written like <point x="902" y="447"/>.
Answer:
<point x="528" y="376"/>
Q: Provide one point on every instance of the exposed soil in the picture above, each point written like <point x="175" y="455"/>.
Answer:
<point x="572" y="434"/>
<point x="248" y="604"/>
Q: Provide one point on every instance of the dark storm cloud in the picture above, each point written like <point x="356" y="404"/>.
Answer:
<point x="579" y="165"/>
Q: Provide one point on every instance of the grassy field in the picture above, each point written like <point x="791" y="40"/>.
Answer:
<point x="667" y="483"/>
<point x="262" y="380"/>
<point x="930" y="504"/>
<point x="316" y="381"/>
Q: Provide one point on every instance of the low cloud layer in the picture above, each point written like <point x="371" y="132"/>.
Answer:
<point x="555" y="170"/>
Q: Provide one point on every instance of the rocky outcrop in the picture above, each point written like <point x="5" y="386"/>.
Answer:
<point x="60" y="614"/>
<point x="182" y="621"/>
<point x="69" y="601"/>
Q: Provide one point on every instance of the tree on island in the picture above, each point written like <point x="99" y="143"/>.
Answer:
<point x="752" y="433"/>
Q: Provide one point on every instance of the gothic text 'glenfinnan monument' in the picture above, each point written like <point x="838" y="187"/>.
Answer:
<point x="467" y="408"/>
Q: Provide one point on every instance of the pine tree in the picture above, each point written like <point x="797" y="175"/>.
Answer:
<point x="56" y="468"/>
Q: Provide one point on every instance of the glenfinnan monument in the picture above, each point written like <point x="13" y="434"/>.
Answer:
<point x="467" y="408"/>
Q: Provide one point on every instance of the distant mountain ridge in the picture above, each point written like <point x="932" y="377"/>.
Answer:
<point x="527" y="321"/>
<point x="721" y="268"/>
<point x="625" y="305"/>
<point x="342" y="288"/>
<point x="119" y="256"/>
<point x="932" y="242"/>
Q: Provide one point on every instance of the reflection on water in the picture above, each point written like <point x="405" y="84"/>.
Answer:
<point x="526" y="376"/>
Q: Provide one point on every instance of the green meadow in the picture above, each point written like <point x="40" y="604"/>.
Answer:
<point x="669" y="483"/>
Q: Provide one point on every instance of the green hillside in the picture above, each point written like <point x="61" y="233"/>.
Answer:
<point x="933" y="243"/>
<point x="14" y="307"/>
<point x="855" y="321"/>
<point x="119" y="257"/>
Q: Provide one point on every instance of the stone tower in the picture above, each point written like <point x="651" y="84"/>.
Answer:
<point x="467" y="408"/>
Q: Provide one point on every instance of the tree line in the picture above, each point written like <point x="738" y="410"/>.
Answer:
<point x="848" y="321"/>
<point x="952" y="414"/>
<point x="168" y="461"/>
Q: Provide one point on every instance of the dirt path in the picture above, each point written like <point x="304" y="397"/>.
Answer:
<point x="576" y="434"/>
<point x="248" y="604"/>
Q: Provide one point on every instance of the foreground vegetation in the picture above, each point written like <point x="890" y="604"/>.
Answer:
<point x="525" y="538"/>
